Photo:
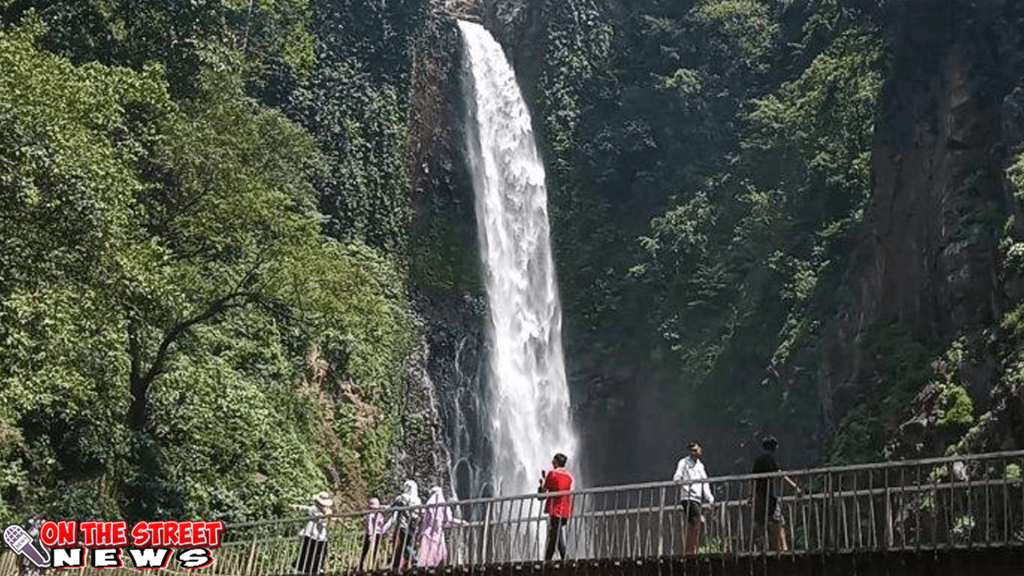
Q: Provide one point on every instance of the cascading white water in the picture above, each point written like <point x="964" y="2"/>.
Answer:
<point x="529" y="403"/>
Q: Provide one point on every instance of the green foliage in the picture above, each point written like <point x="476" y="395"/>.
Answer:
<point x="364" y="139"/>
<point x="378" y="34"/>
<point x="742" y="29"/>
<point x="162" y="281"/>
<point x="710" y="162"/>
<point x="938" y="474"/>
<point x="712" y="546"/>
<point x="782" y="216"/>
<point x="902" y="362"/>
<point x="963" y="524"/>
<point x="439" y="258"/>
<point x="234" y="437"/>
<point x="900" y="365"/>
<point x="1012" y="472"/>
<point x="1015" y="173"/>
<point x="959" y="407"/>
<point x="1003" y="345"/>
<point x="858" y="438"/>
<point x="969" y="440"/>
<point x="256" y="38"/>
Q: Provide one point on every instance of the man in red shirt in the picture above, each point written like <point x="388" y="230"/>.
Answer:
<point x="558" y="508"/>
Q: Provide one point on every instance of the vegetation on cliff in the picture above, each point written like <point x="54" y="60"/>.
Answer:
<point x="713" y="169"/>
<point x="713" y="162"/>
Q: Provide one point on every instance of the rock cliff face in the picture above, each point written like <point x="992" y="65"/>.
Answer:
<point x="446" y="437"/>
<point x="518" y="25"/>
<point x="424" y="454"/>
<point x="928" y="258"/>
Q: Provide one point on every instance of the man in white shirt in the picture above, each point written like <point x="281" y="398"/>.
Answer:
<point x="688" y="472"/>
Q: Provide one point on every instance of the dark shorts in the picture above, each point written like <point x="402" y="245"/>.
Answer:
<point x="773" y="511"/>
<point x="691" y="511"/>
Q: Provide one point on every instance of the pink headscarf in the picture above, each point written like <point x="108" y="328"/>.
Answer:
<point x="374" y="520"/>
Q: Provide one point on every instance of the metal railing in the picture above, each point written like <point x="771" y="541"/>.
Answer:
<point x="942" y="503"/>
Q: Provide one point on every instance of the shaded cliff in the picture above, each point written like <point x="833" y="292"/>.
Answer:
<point x="446" y="287"/>
<point x="928" y="262"/>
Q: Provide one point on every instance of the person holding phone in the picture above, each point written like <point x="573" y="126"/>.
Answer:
<point x="404" y="520"/>
<point x="558" y="508"/>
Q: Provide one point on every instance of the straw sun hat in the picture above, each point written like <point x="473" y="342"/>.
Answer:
<point x="323" y="500"/>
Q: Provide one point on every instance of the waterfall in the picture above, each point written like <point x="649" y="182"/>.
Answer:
<point x="528" y="396"/>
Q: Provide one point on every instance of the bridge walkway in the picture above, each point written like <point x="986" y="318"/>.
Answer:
<point x="956" y="515"/>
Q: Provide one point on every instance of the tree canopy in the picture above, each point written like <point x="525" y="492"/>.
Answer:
<point x="179" y="336"/>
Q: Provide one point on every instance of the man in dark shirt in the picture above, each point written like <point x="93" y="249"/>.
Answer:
<point x="766" y="504"/>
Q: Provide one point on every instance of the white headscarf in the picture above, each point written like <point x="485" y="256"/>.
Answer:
<point x="411" y="494"/>
<point x="442" y="514"/>
<point x="437" y="517"/>
<point x="409" y="497"/>
<point x="436" y="496"/>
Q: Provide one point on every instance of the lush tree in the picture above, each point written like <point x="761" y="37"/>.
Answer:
<point x="163" y="278"/>
<point x="257" y="38"/>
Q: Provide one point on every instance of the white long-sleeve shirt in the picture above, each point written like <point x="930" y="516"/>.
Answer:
<point x="316" y="528"/>
<point x="690" y="468"/>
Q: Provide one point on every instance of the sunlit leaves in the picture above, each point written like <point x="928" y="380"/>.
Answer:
<point x="255" y="38"/>
<point x="177" y="243"/>
<point x="740" y="261"/>
<point x="744" y="29"/>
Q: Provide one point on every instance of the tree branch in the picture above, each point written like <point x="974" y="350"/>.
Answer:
<point x="138" y="414"/>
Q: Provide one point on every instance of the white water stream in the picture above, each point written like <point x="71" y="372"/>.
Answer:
<point x="529" y="397"/>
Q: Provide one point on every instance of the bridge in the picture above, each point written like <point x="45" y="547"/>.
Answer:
<point x="957" y="515"/>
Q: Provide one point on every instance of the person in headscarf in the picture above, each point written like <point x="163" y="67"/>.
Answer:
<point x="436" y="519"/>
<point x="374" y="529"/>
<point x="403" y="521"/>
<point x="314" y="534"/>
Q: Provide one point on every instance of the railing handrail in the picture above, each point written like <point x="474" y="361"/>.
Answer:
<point x="742" y="502"/>
<point x="663" y="484"/>
<point x="954" y="501"/>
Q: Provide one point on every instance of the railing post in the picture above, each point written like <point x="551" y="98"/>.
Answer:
<point x="830" y="525"/>
<point x="486" y="548"/>
<point x="888" y="514"/>
<point x="661" y="522"/>
<point x="252" y="554"/>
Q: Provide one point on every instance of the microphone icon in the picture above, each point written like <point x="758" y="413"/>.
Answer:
<point x="19" y="541"/>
